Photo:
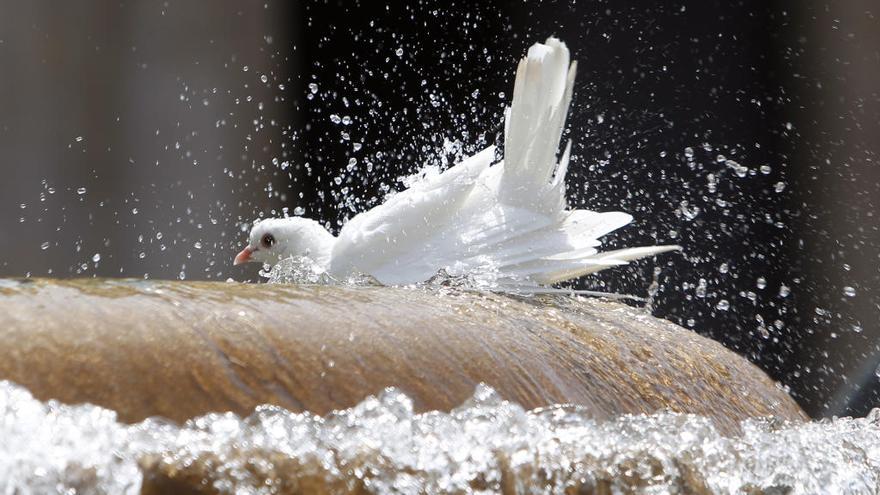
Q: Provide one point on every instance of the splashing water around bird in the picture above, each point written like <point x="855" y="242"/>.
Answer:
<point x="508" y="223"/>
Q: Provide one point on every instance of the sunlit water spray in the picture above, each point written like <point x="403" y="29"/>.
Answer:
<point x="487" y="445"/>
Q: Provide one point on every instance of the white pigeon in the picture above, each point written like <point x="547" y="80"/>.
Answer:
<point x="509" y="219"/>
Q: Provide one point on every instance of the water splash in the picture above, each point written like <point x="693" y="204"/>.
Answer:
<point x="487" y="445"/>
<point x="304" y="270"/>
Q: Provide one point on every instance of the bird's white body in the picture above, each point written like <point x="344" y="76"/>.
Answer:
<point x="509" y="219"/>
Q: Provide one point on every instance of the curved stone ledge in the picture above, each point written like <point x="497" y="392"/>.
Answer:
<point x="182" y="349"/>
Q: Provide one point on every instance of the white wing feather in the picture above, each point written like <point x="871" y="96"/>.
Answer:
<point x="510" y="218"/>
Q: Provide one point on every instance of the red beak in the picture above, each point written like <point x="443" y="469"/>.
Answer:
<point x="244" y="256"/>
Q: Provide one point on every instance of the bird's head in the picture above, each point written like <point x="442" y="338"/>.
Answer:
<point x="276" y="239"/>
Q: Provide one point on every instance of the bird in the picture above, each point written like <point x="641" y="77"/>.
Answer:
<point x="508" y="218"/>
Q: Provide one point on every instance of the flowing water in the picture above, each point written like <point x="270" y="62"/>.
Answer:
<point x="487" y="445"/>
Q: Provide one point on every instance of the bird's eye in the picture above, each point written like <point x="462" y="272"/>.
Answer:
<point x="268" y="241"/>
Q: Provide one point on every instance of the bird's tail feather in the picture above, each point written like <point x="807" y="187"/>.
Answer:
<point x="534" y="180"/>
<point x="533" y="128"/>
<point x="555" y="269"/>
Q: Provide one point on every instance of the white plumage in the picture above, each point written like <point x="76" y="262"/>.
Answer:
<point x="509" y="220"/>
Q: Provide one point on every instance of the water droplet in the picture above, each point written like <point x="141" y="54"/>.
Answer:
<point x="724" y="268"/>
<point x="79" y="139"/>
<point x="299" y="211"/>
<point x="264" y="78"/>
<point x="784" y="291"/>
<point x="335" y="118"/>
<point x="44" y="246"/>
<point x="96" y="257"/>
<point x="313" y="88"/>
<point x="689" y="152"/>
<point x="723" y="305"/>
<point x="197" y="245"/>
<point x="245" y="68"/>
<point x="81" y="191"/>
<point x="399" y="52"/>
<point x="849" y="291"/>
<point x="761" y="282"/>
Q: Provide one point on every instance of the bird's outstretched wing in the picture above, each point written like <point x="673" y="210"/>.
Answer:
<point x="510" y="219"/>
<point x="412" y="224"/>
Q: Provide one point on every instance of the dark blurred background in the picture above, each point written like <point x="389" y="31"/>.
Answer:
<point x="141" y="139"/>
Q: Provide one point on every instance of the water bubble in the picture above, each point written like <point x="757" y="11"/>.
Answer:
<point x="81" y="191"/>
<point x="79" y="139"/>
<point x="313" y="88"/>
<point x="765" y="169"/>
<point x="689" y="152"/>
<point x="724" y="268"/>
<point x="784" y="291"/>
<point x="245" y="68"/>
<point x="399" y="52"/>
<point x="335" y="118"/>
<point x="197" y="245"/>
<point x="739" y="170"/>
<point x="779" y="187"/>
<point x="96" y="257"/>
<point x="299" y="211"/>
<point x="849" y="291"/>
<point x="264" y="78"/>
<point x="159" y="236"/>
<point x="761" y="282"/>
<point x="723" y="305"/>
<point x="44" y="246"/>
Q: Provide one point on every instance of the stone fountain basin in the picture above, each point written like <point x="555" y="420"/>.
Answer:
<point x="183" y="349"/>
